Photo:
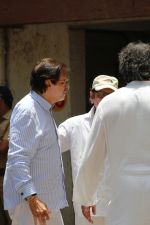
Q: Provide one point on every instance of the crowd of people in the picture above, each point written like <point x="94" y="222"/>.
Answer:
<point x="109" y="147"/>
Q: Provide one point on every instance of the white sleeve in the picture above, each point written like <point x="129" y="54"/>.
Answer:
<point x="92" y="164"/>
<point x="64" y="136"/>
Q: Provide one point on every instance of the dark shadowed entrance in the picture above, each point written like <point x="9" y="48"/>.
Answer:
<point x="102" y="48"/>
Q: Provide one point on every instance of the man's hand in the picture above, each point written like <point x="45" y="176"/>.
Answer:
<point x="86" y="210"/>
<point x="39" y="210"/>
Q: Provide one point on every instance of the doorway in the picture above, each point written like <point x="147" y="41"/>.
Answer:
<point x="102" y="48"/>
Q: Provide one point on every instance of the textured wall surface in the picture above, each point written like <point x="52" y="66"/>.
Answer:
<point x="2" y="58"/>
<point x="30" y="43"/>
<point x="77" y="64"/>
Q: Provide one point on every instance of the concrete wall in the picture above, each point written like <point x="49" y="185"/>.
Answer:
<point x="77" y="64"/>
<point x="2" y="58"/>
<point x="27" y="45"/>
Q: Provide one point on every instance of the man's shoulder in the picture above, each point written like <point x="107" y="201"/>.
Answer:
<point x="117" y="95"/>
<point x="27" y="98"/>
<point x="74" y="121"/>
<point x="77" y="119"/>
<point x="24" y="106"/>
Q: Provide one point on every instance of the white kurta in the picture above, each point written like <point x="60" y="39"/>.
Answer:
<point x="73" y="134"/>
<point x="120" y="129"/>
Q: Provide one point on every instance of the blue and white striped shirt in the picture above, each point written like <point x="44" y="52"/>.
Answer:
<point x="34" y="160"/>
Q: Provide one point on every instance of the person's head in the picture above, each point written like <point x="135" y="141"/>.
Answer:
<point x="102" y="86"/>
<point x="6" y="99"/>
<point x="49" y="78"/>
<point x="134" y="62"/>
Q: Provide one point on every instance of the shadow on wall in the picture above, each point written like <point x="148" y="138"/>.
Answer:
<point x="68" y="213"/>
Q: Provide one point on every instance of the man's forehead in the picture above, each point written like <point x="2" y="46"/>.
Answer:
<point x="108" y="90"/>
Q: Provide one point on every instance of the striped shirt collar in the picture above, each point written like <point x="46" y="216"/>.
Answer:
<point x="43" y="103"/>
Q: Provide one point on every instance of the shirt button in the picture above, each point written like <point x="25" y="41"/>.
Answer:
<point x="21" y="193"/>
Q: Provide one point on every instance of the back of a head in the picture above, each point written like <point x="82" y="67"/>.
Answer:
<point x="134" y="61"/>
<point x="6" y="95"/>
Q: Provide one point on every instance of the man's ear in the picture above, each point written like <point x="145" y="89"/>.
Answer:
<point x="48" y="83"/>
<point x="91" y="96"/>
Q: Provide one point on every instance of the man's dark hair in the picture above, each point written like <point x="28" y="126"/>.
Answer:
<point x="6" y="95"/>
<point x="134" y="61"/>
<point x="47" y="68"/>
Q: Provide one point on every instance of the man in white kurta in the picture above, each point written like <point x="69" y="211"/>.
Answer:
<point x="73" y="134"/>
<point x="122" y="133"/>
